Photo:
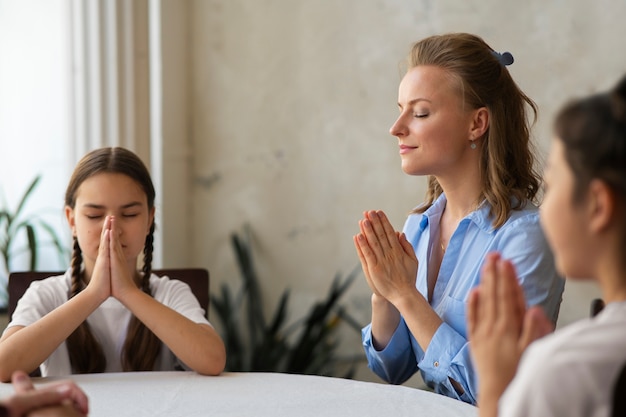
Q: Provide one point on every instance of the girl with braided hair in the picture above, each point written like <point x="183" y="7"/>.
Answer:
<point x="103" y="315"/>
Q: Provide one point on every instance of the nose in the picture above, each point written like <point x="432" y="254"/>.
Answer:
<point x="399" y="127"/>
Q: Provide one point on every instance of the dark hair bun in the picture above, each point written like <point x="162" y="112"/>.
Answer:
<point x="618" y="101"/>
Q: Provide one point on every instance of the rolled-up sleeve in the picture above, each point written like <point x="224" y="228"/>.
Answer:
<point x="396" y="362"/>
<point x="448" y="357"/>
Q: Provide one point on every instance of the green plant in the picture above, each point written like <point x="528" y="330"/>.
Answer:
<point x="307" y="346"/>
<point x="13" y="223"/>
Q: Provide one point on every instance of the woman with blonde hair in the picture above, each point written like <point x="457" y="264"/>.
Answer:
<point x="463" y="122"/>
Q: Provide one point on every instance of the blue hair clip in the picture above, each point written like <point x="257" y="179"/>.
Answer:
<point x="505" y="58"/>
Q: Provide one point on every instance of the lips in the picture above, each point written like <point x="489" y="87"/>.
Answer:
<point x="406" y="148"/>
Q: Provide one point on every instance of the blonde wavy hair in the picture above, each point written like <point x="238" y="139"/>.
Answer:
<point x="507" y="163"/>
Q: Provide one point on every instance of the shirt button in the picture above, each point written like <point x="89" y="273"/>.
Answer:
<point x="436" y="364"/>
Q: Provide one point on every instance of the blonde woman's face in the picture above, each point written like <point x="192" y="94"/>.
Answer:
<point x="433" y="128"/>
<point x="562" y="219"/>
<point x="110" y="194"/>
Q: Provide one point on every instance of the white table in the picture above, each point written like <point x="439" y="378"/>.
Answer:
<point x="187" y="394"/>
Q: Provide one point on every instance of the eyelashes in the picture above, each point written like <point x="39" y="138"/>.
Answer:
<point x="98" y="217"/>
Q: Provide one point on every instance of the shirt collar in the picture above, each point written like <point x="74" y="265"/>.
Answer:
<point x="481" y="216"/>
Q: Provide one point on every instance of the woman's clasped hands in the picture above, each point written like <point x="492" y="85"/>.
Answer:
<point x="387" y="258"/>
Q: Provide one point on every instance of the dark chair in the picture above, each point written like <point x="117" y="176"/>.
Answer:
<point x="619" y="394"/>
<point x="597" y="304"/>
<point x="619" y="387"/>
<point x="196" y="278"/>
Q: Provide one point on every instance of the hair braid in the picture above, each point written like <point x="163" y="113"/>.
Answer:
<point x="86" y="355"/>
<point x="147" y="257"/>
<point x="142" y="347"/>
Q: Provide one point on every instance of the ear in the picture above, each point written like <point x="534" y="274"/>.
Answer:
<point x="480" y="123"/>
<point x="601" y="206"/>
<point x="71" y="219"/>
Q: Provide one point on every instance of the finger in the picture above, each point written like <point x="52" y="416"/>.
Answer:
<point x="73" y="392"/>
<point x="519" y="298"/>
<point x="357" y="244"/>
<point x="114" y="237"/>
<point x="508" y="308"/>
<point x="536" y="325"/>
<point x="373" y="243"/>
<point x="358" y="241"/>
<point x="488" y="288"/>
<point x="362" y="226"/>
<point x="472" y="312"/>
<point x="106" y="249"/>
<point x="21" y="382"/>
<point x="118" y="259"/>
<point x="406" y="246"/>
<point x="22" y="404"/>
<point x="365" y="244"/>
<point x="381" y="234"/>
<point x="103" y="236"/>
<point x="103" y="262"/>
<point x="388" y="229"/>
<point x="106" y="225"/>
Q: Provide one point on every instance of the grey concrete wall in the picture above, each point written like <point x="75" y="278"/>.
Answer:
<point x="291" y="102"/>
<point x="284" y="106"/>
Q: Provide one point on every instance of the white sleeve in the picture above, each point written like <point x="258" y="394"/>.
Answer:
<point x="39" y="299"/>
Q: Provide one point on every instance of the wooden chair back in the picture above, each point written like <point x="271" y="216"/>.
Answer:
<point x="196" y="278"/>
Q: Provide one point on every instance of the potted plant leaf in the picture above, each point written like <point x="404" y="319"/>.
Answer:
<point x="305" y="346"/>
<point x="24" y="233"/>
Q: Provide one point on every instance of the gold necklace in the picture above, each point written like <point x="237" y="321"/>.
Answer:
<point x="443" y="247"/>
<point x="441" y="241"/>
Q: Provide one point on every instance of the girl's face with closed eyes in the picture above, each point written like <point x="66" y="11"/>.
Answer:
<point x="434" y="128"/>
<point x="110" y="194"/>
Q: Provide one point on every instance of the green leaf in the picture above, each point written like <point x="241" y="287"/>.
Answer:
<point x="268" y="347"/>
<point x="32" y="246"/>
<point x="27" y="194"/>
<point x="34" y="227"/>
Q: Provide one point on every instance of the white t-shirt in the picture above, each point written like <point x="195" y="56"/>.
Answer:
<point x="571" y="372"/>
<point x="108" y="323"/>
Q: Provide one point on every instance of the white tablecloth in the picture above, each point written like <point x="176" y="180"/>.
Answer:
<point x="187" y="394"/>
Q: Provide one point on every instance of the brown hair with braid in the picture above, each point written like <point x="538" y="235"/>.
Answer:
<point x="509" y="176"/>
<point x="141" y="347"/>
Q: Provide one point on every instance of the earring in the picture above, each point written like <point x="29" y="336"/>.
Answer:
<point x="473" y="145"/>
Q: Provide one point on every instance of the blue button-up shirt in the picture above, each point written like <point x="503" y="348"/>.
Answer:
<point x="520" y="240"/>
